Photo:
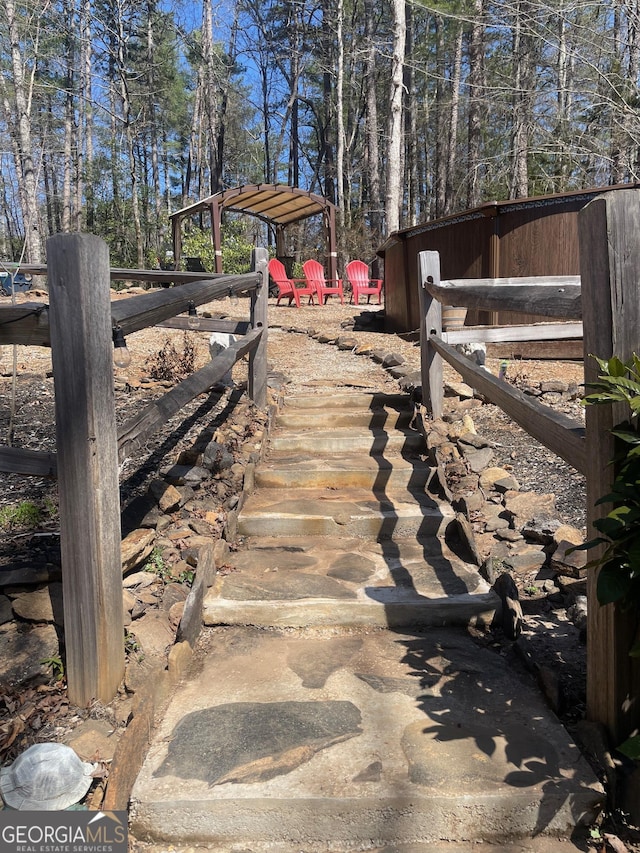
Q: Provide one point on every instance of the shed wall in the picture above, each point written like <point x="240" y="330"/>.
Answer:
<point x="536" y="236"/>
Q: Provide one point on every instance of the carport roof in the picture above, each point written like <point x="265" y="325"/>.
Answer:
<point x="274" y="203"/>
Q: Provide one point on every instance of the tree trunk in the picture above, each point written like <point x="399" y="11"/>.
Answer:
<point x="340" y="137"/>
<point x="26" y="174"/>
<point x="373" y="153"/>
<point x="476" y="103"/>
<point x="452" y="137"/>
<point x="522" y="49"/>
<point x="394" y="150"/>
<point x="85" y="124"/>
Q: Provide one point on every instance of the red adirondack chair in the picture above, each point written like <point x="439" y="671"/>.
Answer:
<point x="314" y="273"/>
<point x="361" y="284"/>
<point x="287" y="286"/>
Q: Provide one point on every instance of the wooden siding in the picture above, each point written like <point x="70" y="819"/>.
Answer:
<point x="527" y="237"/>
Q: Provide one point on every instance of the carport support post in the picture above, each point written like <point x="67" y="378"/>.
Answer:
<point x="430" y="323"/>
<point x="82" y="354"/>
<point x="258" y="318"/>
<point x="609" y="232"/>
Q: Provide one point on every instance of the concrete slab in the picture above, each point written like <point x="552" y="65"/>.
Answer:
<point x="352" y="741"/>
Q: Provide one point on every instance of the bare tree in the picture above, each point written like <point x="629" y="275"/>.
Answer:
<point x="394" y="144"/>
<point x="17" y="100"/>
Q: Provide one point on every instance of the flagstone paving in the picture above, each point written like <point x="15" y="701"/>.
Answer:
<point x="342" y="703"/>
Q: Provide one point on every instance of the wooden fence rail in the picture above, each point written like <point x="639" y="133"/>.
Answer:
<point x="78" y="324"/>
<point x="607" y="300"/>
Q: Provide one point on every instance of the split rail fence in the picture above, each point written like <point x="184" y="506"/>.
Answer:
<point x="602" y="306"/>
<point x="78" y="324"/>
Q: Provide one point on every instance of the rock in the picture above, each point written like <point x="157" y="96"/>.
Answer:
<point x="172" y="594"/>
<point x="175" y="614"/>
<point x="527" y="562"/>
<point x="471" y="503"/>
<point x="284" y="735"/>
<point x="128" y="601"/>
<point x="6" y="611"/>
<point x="492" y="525"/>
<point x="135" y="548"/>
<point x="571" y="587"/>
<point x="492" y="475"/>
<point x="180" y="658"/>
<point x="506" y="534"/>
<point x="465" y="532"/>
<point x="216" y="457"/>
<point x="523" y="506"/>
<point x="167" y="496"/>
<point x="568" y="533"/>
<point x="40" y="605"/>
<point x="574" y="563"/>
<point x="139" y="580"/>
<point x="153" y="633"/>
<point x="180" y="475"/>
<point x="392" y="359"/>
<point x="346" y="343"/>
<point x="458" y="389"/>
<point x="469" y="439"/>
<point x="577" y="612"/>
<point x="511" y="614"/>
<point x="541" y="528"/>
<point x="93" y="740"/>
<point x="22" y="652"/>
<point x="506" y="484"/>
<point x="478" y="460"/>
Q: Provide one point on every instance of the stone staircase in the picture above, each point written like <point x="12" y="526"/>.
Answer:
<point x="344" y="705"/>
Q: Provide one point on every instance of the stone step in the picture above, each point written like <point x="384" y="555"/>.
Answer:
<point x="293" y="582"/>
<point x="329" y="418"/>
<point x="304" y="470"/>
<point x="342" y="513"/>
<point x="324" y="741"/>
<point x="348" y="401"/>
<point x="358" y="440"/>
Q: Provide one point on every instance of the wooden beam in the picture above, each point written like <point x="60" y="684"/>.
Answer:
<point x="25" y="323"/>
<point x="609" y="232"/>
<point x="151" y="308"/>
<point x="571" y="350"/>
<point x="561" y="434"/>
<point x="431" y="324"/>
<point x="258" y="367"/>
<point x="533" y="332"/>
<point x="165" y="277"/>
<point x="551" y="296"/>
<point x="82" y="354"/>
<point x="132" y="434"/>
<point x="206" y="324"/>
<point x="30" y="463"/>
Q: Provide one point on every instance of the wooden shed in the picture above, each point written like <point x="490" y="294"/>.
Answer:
<point x="533" y="236"/>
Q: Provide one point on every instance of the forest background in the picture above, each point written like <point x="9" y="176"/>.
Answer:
<point x="116" y="113"/>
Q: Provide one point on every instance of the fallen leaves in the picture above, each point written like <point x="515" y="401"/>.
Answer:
<point x="29" y="714"/>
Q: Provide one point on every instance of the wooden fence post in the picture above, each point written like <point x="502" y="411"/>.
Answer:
<point x="259" y="309"/>
<point x="430" y="322"/>
<point x="82" y="354"/>
<point x="609" y="232"/>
